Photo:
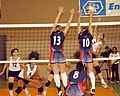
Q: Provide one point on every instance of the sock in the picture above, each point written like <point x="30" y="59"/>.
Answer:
<point x="26" y="91"/>
<point x="57" y="80"/>
<point x="64" y="79"/>
<point x="11" y="92"/>
<point x="44" y="93"/>
<point x="102" y="81"/>
<point x="92" y="79"/>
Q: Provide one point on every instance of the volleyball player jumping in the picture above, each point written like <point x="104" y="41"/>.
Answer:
<point x="14" y="70"/>
<point x="57" y="58"/>
<point x="97" y="46"/>
<point x="85" y="44"/>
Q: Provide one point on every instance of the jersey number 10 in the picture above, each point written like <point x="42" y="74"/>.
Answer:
<point x="86" y="42"/>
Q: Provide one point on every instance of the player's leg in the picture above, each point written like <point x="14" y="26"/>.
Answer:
<point x="19" y="88"/>
<point x="63" y="74"/>
<point x="11" y="85"/>
<point x="26" y="91"/>
<point x="62" y="67"/>
<point x="116" y="73"/>
<point x="55" y="67"/>
<point x="47" y="84"/>
<point x="98" y="71"/>
<point x="92" y="77"/>
<point x="38" y="86"/>
<point x="113" y="73"/>
<point x="87" y="57"/>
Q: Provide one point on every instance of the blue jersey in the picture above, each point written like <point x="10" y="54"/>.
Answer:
<point x="85" y="41"/>
<point x="77" y="76"/>
<point x="57" y="40"/>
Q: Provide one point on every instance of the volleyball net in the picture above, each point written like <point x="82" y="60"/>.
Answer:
<point x="35" y="37"/>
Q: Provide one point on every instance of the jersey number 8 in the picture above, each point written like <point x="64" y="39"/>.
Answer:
<point x="76" y="74"/>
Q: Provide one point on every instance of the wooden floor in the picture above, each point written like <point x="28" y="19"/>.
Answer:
<point x="53" y="92"/>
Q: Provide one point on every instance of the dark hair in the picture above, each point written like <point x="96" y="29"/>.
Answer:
<point x="106" y="47"/>
<point x="12" y="51"/>
<point x="57" y="26"/>
<point x="80" y="66"/>
<point x="115" y="48"/>
<point x="103" y="36"/>
<point x="33" y="54"/>
<point x="77" y="54"/>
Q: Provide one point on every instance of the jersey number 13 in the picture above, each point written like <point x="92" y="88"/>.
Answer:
<point x="57" y="40"/>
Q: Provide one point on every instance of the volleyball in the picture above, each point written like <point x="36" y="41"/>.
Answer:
<point x="91" y="8"/>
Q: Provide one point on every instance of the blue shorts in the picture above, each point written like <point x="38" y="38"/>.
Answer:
<point x="13" y="73"/>
<point x="57" y="57"/>
<point x="74" y="90"/>
<point x="52" y="73"/>
<point x="94" y="55"/>
<point x="86" y="57"/>
<point x="24" y="80"/>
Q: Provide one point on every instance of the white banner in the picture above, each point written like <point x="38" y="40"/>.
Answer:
<point x="113" y="7"/>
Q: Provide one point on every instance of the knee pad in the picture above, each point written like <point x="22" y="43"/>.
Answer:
<point x="48" y="84"/>
<point x="10" y="86"/>
<point x="40" y="90"/>
<point x="97" y="68"/>
<point x="18" y="90"/>
<point x="51" y="72"/>
<point x="24" y="87"/>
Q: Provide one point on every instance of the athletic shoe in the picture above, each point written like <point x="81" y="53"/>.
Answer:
<point x="44" y="93"/>
<point x="60" y="93"/>
<point x="104" y="85"/>
<point x="28" y="94"/>
<point x="117" y="81"/>
<point x="92" y="92"/>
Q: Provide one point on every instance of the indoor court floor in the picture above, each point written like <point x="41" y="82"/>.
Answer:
<point x="113" y="90"/>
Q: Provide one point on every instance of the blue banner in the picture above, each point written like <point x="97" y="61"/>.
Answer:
<point x="99" y="6"/>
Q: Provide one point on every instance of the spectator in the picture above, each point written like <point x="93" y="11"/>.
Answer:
<point x="114" y="65"/>
<point x="107" y="52"/>
<point x="105" y="64"/>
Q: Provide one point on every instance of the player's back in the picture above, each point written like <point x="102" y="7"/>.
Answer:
<point x="57" y="40"/>
<point x="76" y="76"/>
<point x="85" y="41"/>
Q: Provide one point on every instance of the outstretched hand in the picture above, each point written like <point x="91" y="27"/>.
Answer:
<point x="79" y="13"/>
<point x="61" y="9"/>
<point x="72" y="11"/>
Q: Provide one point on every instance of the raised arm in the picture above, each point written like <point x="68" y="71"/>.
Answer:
<point x="72" y="11"/>
<point x="90" y="22"/>
<point x="79" y="20"/>
<point x="98" y="51"/>
<point x="61" y="10"/>
<point x="96" y="28"/>
<point x="5" y="66"/>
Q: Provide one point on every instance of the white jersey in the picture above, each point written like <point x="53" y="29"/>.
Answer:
<point x="30" y="72"/>
<point x="95" y="45"/>
<point x="114" y="55"/>
<point x="14" y="66"/>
